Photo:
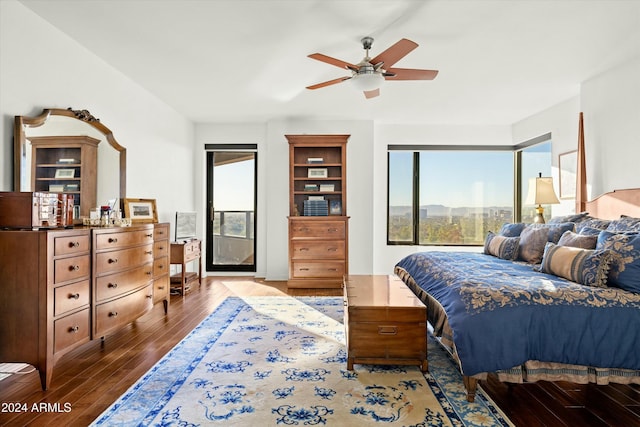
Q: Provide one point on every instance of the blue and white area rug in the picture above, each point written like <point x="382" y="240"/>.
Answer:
<point x="268" y="361"/>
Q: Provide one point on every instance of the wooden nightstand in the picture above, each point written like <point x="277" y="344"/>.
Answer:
<point x="183" y="253"/>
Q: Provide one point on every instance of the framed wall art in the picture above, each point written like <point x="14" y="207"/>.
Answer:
<point x="141" y="211"/>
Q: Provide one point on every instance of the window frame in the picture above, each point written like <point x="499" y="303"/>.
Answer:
<point x="417" y="149"/>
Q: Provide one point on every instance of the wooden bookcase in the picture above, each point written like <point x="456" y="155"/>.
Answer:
<point x="66" y="164"/>
<point x="318" y="234"/>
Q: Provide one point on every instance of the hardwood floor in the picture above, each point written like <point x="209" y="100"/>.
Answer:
<point x="89" y="379"/>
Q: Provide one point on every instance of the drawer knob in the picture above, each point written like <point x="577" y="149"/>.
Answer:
<point x="112" y="285"/>
<point x="304" y="269"/>
<point x="148" y="252"/>
<point x="74" y="244"/>
<point x="113" y="240"/>
<point x="304" y="249"/>
<point x="332" y="230"/>
<point x="74" y="267"/>
<point x="113" y="260"/>
<point x="113" y="314"/>
<point x="160" y="288"/>
<point x="74" y="329"/>
<point x="332" y="269"/>
<point x="149" y="235"/>
<point x="74" y="296"/>
<point x="148" y="273"/>
<point x="387" y="330"/>
<point x="149" y="296"/>
<point x="332" y="249"/>
<point x="305" y="229"/>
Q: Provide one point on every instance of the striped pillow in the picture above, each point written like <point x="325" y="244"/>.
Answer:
<point x="501" y="246"/>
<point x="584" y="266"/>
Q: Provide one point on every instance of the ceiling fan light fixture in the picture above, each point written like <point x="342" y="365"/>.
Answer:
<point x="367" y="81"/>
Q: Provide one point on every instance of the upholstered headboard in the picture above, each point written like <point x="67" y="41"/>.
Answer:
<point x="612" y="205"/>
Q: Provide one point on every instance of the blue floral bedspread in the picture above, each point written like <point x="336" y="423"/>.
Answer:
<point x="504" y="313"/>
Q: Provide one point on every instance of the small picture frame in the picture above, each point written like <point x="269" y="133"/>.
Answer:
<point x="141" y="211"/>
<point x="317" y="173"/>
<point x="65" y="173"/>
<point x="335" y="207"/>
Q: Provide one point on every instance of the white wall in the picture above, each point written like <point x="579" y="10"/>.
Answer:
<point x="43" y="68"/>
<point x="610" y="103"/>
<point x="611" y="106"/>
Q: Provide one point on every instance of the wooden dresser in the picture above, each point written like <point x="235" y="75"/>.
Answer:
<point x="385" y="322"/>
<point x="62" y="288"/>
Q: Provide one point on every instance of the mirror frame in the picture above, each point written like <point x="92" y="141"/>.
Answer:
<point x="19" y="140"/>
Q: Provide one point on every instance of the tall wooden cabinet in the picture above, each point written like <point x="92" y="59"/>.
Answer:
<point x="66" y="164"/>
<point x="318" y="221"/>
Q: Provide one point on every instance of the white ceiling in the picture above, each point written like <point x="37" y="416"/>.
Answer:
<point x="246" y="60"/>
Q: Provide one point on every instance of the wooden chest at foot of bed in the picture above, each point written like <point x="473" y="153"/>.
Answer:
<point x="385" y="322"/>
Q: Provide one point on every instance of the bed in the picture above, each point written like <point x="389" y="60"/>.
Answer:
<point x="528" y="321"/>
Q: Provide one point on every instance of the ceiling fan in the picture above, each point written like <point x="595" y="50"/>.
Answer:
<point x="369" y="74"/>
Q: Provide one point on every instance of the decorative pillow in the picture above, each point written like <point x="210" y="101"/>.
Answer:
<point x="625" y="223"/>
<point x="588" y="231"/>
<point x="535" y="236"/>
<point x="501" y="246"/>
<point x="576" y="218"/>
<point x="584" y="241"/>
<point x="512" y="229"/>
<point x="625" y="258"/>
<point x="600" y="224"/>
<point x="532" y="241"/>
<point x="555" y="230"/>
<point x="584" y="266"/>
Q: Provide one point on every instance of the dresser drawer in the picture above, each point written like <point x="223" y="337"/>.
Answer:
<point x="161" y="232"/>
<point x="70" y="297"/>
<point x="326" y="249"/>
<point x="115" y="284"/>
<point x="123" y="239"/>
<point x="71" y="268"/>
<point x="114" y="314"/>
<point x="69" y="245"/>
<point x="160" y="266"/>
<point x="318" y="229"/>
<point x="161" y="288"/>
<point x="70" y="330"/>
<point x="328" y="269"/>
<point x="123" y="259"/>
<point x="161" y="248"/>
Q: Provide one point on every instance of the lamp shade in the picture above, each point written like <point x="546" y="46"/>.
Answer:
<point x="541" y="191"/>
<point x="367" y="81"/>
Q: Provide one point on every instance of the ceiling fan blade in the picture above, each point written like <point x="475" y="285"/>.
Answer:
<point x="371" y="93"/>
<point x="395" y="53"/>
<point x="333" y="61"/>
<point x="411" y="74"/>
<point x="328" y="83"/>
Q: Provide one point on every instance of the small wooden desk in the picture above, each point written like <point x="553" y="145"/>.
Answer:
<point x="385" y="322"/>
<point x="183" y="253"/>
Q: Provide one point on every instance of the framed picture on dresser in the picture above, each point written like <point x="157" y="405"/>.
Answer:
<point x="141" y="211"/>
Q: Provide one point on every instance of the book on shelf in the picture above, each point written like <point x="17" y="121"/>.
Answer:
<point x="315" y="160"/>
<point x="67" y="160"/>
<point x="311" y="187"/>
<point x="327" y="187"/>
<point x="316" y="198"/>
<point x="316" y="208"/>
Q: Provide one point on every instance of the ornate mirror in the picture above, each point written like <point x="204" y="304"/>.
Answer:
<point x="105" y="166"/>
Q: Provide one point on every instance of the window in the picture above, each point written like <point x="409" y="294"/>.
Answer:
<point x="454" y="195"/>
